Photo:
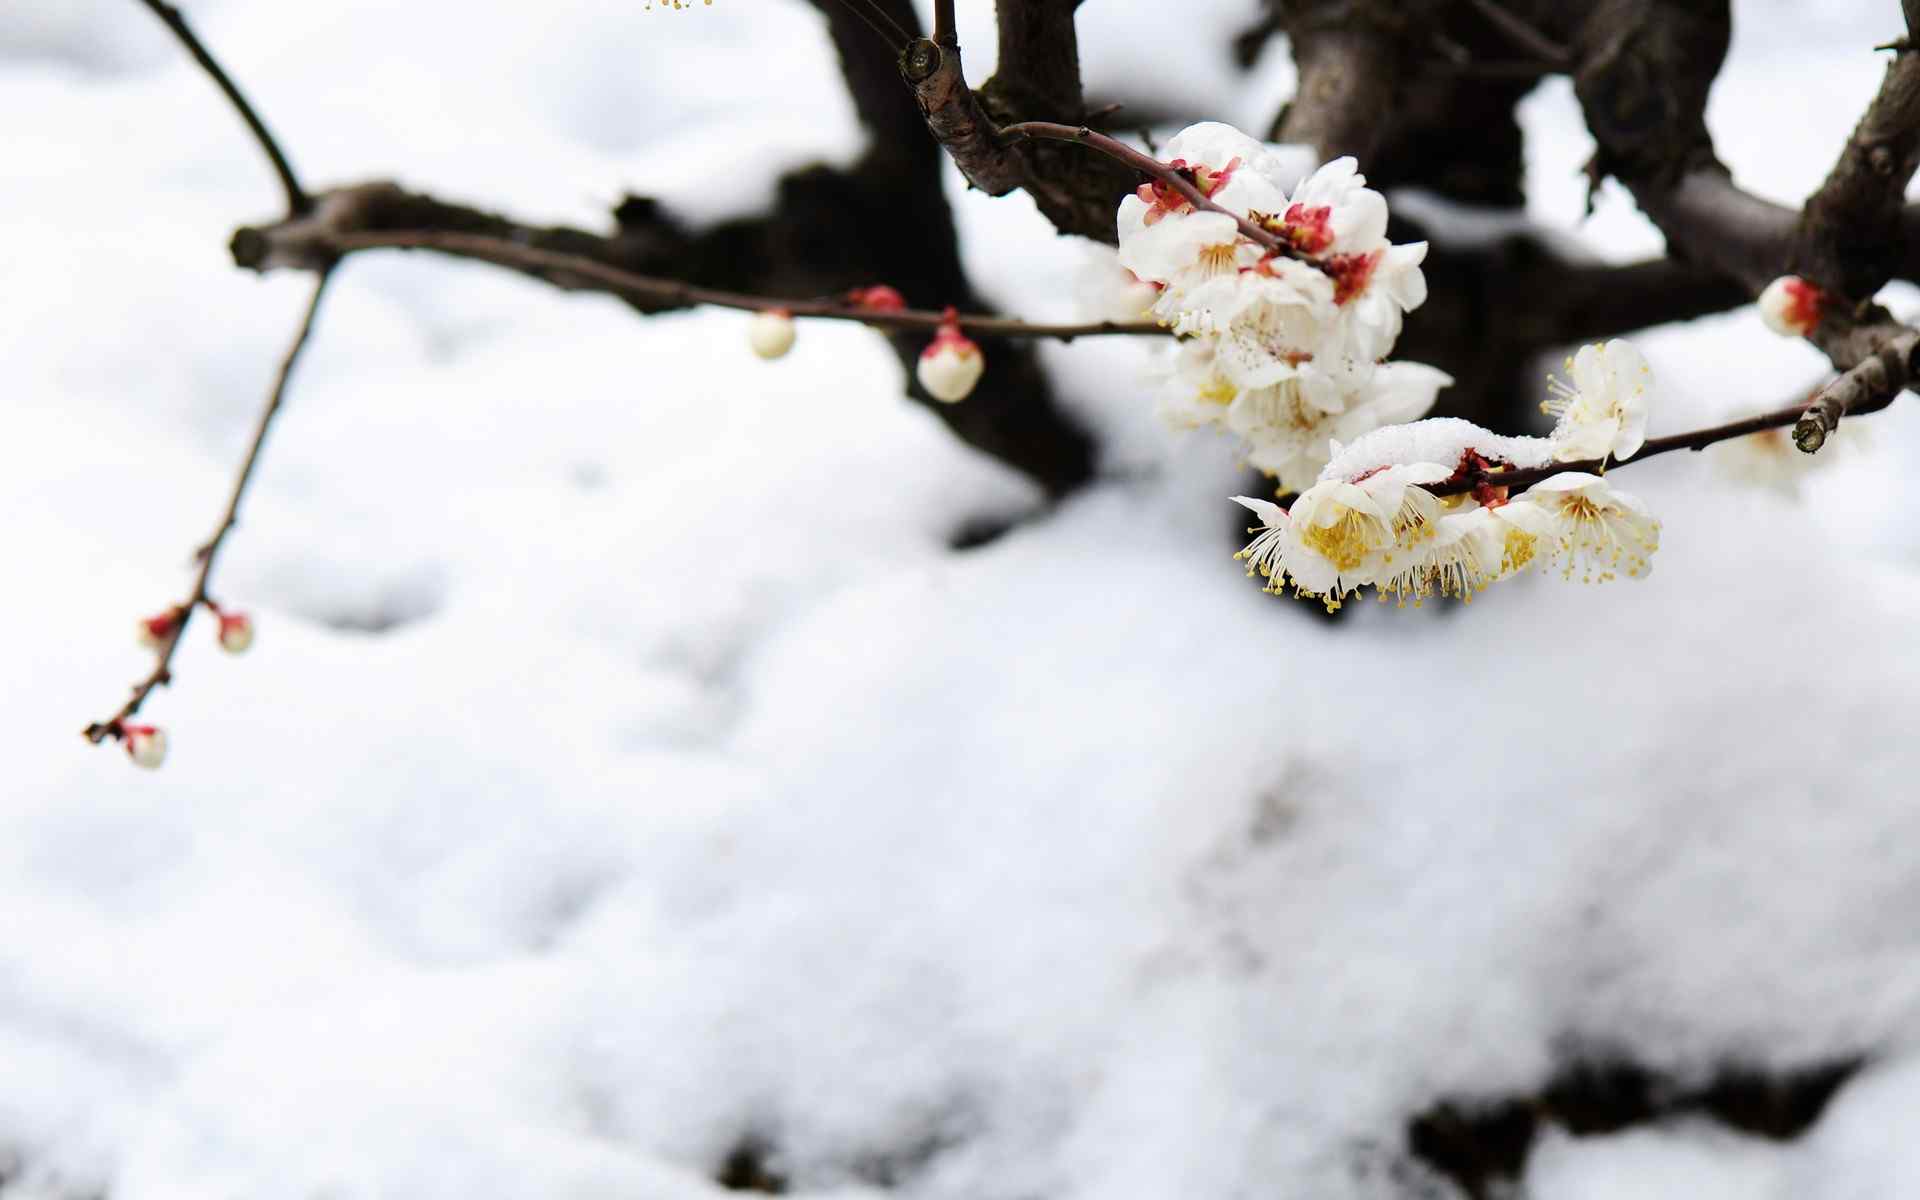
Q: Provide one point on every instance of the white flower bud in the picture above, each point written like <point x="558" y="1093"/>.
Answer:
<point x="951" y="365"/>
<point x="146" y="746"/>
<point x="236" y="632"/>
<point x="1791" y="306"/>
<point x="771" y="333"/>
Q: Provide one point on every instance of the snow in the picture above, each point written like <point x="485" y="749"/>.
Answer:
<point x="627" y="771"/>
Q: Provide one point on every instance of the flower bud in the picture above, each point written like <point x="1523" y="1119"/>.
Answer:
<point x="154" y="631"/>
<point x="771" y="333"/>
<point x="1791" y="306"/>
<point x="951" y="364"/>
<point x="146" y="745"/>
<point x="236" y="632"/>
<point x="878" y="298"/>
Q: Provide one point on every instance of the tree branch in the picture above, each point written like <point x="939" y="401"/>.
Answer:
<point x="1848" y="227"/>
<point x="352" y="220"/>
<point x="297" y="201"/>
<point x="208" y="553"/>
<point x="1869" y="387"/>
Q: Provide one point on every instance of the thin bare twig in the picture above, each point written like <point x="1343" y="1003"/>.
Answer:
<point x="1884" y="373"/>
<point x="946" y="31"/>
<point x="1523" y="35"/>
<point x="1868" y="388"/>
<point x="890" y="32"/>
<point x="161" y="674"/>
<point x="297" y="199"/>
<point x="648" y="289"/>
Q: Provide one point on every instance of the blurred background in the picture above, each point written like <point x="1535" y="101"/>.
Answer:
<point x="650" y="781"/>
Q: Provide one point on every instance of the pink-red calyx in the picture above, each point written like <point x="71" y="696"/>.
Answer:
<point x="1164" y="200"/>
<point x="878" y="298"/>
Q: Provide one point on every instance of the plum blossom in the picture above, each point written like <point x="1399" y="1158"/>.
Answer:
<point x="1791" y="307"/>
<point x="1386" y="528"/>
<point x="146" y="745"/>
<point x="1584" y="525"/>
<point x="1603" y="412"/>
<point x="951" y="365"/>
<point x="1460" y="556"/>
<point x="1341" y="535"/>
<point x="771" y="333"/>
<point x="236" y="631"/>
<point x="1341" y="225"/>
<point x="1289" y="428"/>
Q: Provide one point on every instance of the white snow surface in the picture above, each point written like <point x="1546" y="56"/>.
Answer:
<point x="627" y="770"/>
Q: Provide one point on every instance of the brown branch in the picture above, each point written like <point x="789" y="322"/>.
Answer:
<point x="584" y="274"/>
<point x="297" y="200"/>
<point x="957" y="121"/>
<point x="1869" y="387"/>
<point x="1882" y="374"/>
<point x="1039" y="77"/>
<point x="1849" y="225"/>
<point x="1522" y="34"/>
<point x="335" y="231"/>
<point x="1350" y="72"/>
<point x="162" y="674"/>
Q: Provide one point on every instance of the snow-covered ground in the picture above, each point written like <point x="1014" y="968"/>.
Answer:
<point x="628" y="773"/>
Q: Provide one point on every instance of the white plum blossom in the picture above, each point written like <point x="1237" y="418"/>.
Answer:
<point x="1286" y="349"/>
<point x="1603" y="412"/>
<point x="1460" y="556"/>
<point x="951" y="365"/>
<point x="1342" y="535"/>
<point x="1791" y="307"/>
<point x="1584" y="525"/>
<point x="1341" y="225"/>
<point x="146" y="745"/>
<point x="1108" y="291"/>
<point x="236" y="632"/>
<point x="1267" y="318"/>
<point x="1265" y="555"/>
<point x="1291" y="429"/>
<point x="771" y="333"/>
<point x="1387" y="529"/>
<point x="1335" y="293"/>
<point x="1288" y="429"/>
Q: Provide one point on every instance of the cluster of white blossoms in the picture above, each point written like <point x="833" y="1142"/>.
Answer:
<point x="1283" y="348"/>
<point x="1418" y="510"/>
<point x="1286" y="348"/>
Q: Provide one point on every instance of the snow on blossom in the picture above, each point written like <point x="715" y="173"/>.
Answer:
<point x="1603" y="412"/>
<point x="1444" y="440"/>
<point x="1582" y="524"/>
